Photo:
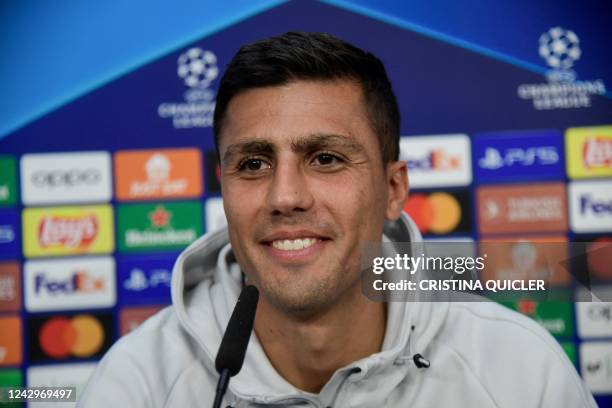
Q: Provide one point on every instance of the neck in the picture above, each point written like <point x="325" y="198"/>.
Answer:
<point x="306" y="351"/>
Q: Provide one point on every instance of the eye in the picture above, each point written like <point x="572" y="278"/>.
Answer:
<point x="253" y="165"/>
<point x="327" y="159"/>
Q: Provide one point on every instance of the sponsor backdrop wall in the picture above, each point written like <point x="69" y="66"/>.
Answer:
<point x="98" y="196"/>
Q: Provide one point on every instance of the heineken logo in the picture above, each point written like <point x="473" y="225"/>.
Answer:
<point x="160" y="218"/>
<point x="150" y="227"/>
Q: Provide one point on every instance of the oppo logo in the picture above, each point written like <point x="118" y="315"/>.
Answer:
<point x="72" y="177"/>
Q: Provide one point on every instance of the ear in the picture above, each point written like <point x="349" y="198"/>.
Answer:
<point x="397" y="185"/>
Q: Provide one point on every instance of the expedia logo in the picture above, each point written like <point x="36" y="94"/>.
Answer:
<point x="80" y="281"/>
<point x="70" y="232"/>
<point x="69" y="178"/>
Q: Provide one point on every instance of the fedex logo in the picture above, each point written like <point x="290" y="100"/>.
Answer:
<point x="80" y="281"/>
<point x="518" y="156"/>
<point x="66" y="284"/>
<point x="597" y="207"/>
<point x="590" y="205"/>
<point x="437" y="159"/>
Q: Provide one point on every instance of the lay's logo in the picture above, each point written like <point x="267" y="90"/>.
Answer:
<point x="597" y="153"/>
<point x="67" y="230"/>
<point x="589" y="152"/>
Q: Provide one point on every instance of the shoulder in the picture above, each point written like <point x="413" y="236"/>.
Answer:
<point x="511" y="355"/>
<point x="142" y="368"/>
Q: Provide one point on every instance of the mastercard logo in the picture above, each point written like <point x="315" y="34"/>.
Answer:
<point x="599" y="257"/>
<point x="78" y="336"/>
<point x="436" y="213"/>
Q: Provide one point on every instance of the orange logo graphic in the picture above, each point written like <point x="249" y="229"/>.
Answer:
<point x="10" y="341"/>
<point x="522" y="208"/>
<point x="81" y="336"/>
<point x="438" y="213"/>
<point x="146" y="174"/>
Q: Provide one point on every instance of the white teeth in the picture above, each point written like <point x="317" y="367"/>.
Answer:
<point x="294" y="244"/>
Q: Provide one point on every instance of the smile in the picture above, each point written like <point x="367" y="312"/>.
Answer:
<point x="294" y="244"/>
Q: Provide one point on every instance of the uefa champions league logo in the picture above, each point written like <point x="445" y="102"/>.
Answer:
<point x="560" y="48"/>
<point x="198" y="68"/>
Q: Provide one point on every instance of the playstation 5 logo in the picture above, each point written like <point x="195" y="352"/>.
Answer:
<point x="542" y="155"/>
<point x="137" y="281"/>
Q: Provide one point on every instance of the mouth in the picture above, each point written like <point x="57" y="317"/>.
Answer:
<point x="294" y="244"/>
<point x="299" y="246"/>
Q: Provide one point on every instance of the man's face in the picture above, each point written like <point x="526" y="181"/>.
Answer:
<point x="304" y="188"/>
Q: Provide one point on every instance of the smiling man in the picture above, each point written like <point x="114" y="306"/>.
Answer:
<point x="307" y="131"/>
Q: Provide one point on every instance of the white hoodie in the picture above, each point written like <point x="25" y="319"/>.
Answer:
<point x="481" y="354"/>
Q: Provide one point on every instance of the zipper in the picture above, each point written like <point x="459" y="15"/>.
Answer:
<point x="352" y="371"/>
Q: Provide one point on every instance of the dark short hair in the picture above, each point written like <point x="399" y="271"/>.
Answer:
<point x="314" y="56"/>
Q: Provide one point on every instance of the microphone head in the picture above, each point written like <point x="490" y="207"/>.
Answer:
<point x="238" y="332"/>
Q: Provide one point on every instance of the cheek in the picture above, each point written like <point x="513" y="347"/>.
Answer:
<point x="240" y="205"/>
<point x="354" y="200"/>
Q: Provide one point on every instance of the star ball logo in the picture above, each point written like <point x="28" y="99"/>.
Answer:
<point x="198" y="69"/>
<point x="561" y="50"/>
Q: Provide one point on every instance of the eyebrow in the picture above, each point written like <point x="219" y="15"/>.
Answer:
<point x="257" y="146"/>
<point x="301" y="144"/>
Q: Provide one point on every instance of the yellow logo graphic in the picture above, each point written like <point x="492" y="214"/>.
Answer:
<point x="589" y="152"/>
<point x="68" y="230"/>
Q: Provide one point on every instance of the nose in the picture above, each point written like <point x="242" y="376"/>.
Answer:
<point x="289" y="191"/>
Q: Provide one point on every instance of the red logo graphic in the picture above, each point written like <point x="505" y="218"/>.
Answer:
<point x="70" y="232"/>
<point x="527" y="307"/>
<point x="160" y="218"/>
<point x="81" y="336"/>
<point x="597" y="152"/>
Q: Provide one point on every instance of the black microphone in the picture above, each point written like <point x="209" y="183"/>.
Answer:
<point x="235" y="340"/>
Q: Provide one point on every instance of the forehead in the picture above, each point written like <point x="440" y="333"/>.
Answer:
<point x="281" y="114"/>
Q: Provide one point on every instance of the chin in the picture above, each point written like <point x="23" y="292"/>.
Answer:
<point x="302" y="298"/>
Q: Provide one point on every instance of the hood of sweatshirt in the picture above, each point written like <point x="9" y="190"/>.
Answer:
<point x="206" y="283"/>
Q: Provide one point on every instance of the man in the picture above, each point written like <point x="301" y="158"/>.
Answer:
<point x="307" y="130"/>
